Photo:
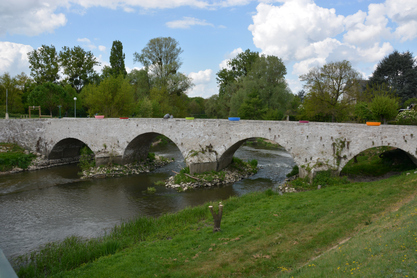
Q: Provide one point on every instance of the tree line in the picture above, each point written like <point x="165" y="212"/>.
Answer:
<point x="252" y="86"/>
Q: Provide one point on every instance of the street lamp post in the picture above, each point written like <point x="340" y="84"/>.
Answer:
<point x="59" y="106"/>
<point x="7" y="112"/>
<point x="75" y="107"/>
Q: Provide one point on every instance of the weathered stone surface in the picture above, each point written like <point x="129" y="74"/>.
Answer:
<point x="206" y="144"/>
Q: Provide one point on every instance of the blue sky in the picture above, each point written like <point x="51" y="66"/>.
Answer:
<point x="304" y="33"/>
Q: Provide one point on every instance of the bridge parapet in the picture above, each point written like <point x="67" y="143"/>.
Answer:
<point x="206" y="144"/>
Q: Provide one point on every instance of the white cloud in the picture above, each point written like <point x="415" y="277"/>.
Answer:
<point x="187" y="22"/>
<point x="404" y="13"/>
<point x="30" y="18"/>
<point x="34" y="17"/>
<point x="13" y="58"/>
<point x="282" y="30"/>
<point x="87" y="43"/>
<point x="202" y="81"/>
<point x="231" y="55"/>
<point x="102" y="48"/>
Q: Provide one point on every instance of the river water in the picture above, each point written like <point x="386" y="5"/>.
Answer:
<point x="38" y="207"/>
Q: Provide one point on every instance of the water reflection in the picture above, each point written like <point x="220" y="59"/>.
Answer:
<point x="52" y="204"/>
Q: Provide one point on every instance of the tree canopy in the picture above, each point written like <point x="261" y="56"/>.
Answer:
<point x="44" y="64"/>
<point x="332" y="91"/>
<point x="48" y="95"/>
<point x="161" y="59"/>
<point x="117" y="59"/>
<point x="252" y="82"/>
<point x="78" y="66"/>
<point x="399" y="72"/>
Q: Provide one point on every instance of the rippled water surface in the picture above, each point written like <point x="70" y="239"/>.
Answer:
<point x="49" y="205"/>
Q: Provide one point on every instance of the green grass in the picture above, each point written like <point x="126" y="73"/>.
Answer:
<point x="12" y="156"/>
<point x="263" y="234"/>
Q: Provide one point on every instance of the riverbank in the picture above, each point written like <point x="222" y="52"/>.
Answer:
<point x="115" y="170"/>
<point x="263" y="234"/>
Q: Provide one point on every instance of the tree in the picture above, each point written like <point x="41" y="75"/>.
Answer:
<point x="399" y="72"/>
<point x="44" y="64"/>
<point x="252" y="107"/>
<point x="237" y="68"/>
<point x="161" y="59"/>
<point x="141" y="83"/>
<point x="113" y="97"/>
<point x="48" y="95"/>
<point x="78" y="66"/>
<point x="332" y="90"/>
<point x="117" y="59"/>
<point x="384" y="107"/>
<point x="14" y="87"/>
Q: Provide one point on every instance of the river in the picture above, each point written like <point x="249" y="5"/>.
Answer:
<point x="38" y="207"/>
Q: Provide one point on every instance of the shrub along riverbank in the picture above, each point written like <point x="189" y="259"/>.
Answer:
<point x="12" y="156"/>
<point x="262" y="234"/>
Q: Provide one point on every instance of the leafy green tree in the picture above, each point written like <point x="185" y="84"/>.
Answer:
<point x="78" y="66"/>
<point x="113" y="97"/>
<point x="212" y="106"/>
<point x="144" y="108"/>
<point x="161" y="59"/>
<point x="48" y="95"/>
<point x="384" y="107"/>
<point x="14" y="88"/>
<point x="197" y="106"/>
<point x="117" y="59"/>
<point x="399" y="72"/>
<point x="362" y="112"/>
<point x="44" y="64"/>
<point x="252" y="107"/>
<point x="237" y="68"/>
<point x="141" y="83"/>
<point x="332" y="91"/>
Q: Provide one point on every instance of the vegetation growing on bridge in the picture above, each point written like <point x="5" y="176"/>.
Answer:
<point x="12" y="155"/>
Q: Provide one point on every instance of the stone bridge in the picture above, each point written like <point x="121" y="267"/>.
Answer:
<point x="205" y="144"/>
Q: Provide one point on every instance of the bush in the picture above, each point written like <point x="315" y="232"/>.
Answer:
<point x="407" y="117"/>
<point x="86" y="158"/>
<point x="14" y="157"/>
<point x="151" y="156"/>
<point x="294" y="171"/>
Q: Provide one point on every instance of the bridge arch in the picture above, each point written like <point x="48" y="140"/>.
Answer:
<point x="227" y="156"/>
<point x="344" y="160"/>
<point x="67" y="148"/>
<point x="138" y="148"/>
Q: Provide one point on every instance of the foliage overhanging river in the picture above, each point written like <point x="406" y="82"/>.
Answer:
<point x="49" y="205"/>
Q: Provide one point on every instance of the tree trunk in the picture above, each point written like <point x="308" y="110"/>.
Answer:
<point x="217" y="217"/>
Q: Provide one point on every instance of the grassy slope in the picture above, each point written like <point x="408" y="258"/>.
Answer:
<point x="268" y="235"/>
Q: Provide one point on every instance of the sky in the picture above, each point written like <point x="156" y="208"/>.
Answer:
<point x="303" y="33"/>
